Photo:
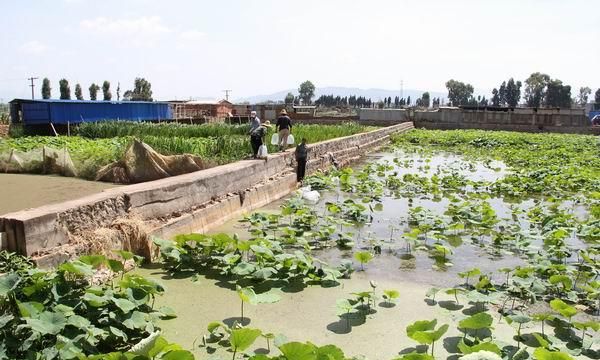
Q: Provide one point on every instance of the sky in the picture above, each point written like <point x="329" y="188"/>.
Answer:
<point x="198" y="48"/>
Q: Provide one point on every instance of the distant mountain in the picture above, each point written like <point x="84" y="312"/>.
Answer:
<point x="374" y="94"/>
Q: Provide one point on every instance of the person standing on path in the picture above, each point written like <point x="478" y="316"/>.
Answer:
<point x="257" y="137"/>
<point x="254" y="124"/>
<point x="254" y="121"/>
<point x="284" y="127"/>
<point x="301" y="157"/>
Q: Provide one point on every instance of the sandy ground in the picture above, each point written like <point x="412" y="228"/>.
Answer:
<point x="22" y="191"/>
<point x="309" y="314"/>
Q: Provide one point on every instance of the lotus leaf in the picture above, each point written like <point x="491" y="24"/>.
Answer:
<point x="241" y="339"/>
<point x="298" y="351"/>
<point x="48" y="323"/>
<point x="478" y="321"/>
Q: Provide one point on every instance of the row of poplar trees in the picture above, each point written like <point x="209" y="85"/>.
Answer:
<point x="65" y="90"/>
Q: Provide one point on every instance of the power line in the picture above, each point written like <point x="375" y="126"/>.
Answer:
<point x="32" y="85"/>
<point x="227" y="91"/>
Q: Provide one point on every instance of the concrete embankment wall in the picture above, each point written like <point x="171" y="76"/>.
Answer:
<point x="530" y="120"/>
<point x="517" y="119"/>
<point x="192" y="202"/>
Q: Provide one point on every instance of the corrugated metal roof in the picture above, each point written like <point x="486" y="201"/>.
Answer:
<point x="86" y="101"/>
<point x="76" y="111"/>
<point x="207" y="102"/>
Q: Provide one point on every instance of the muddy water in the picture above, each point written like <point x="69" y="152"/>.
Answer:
<point x="395" y="263"/>
<point x="23" y="191"/>
<point x="309" y="314"/>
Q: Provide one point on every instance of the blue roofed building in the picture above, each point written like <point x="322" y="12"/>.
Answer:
<point x="62" y="112"/>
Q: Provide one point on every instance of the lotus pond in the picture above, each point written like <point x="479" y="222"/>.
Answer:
<point x="450" y="244"/>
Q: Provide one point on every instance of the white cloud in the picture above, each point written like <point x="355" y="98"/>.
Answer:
<point x="145" y="25"/>
<point x="141" y="32"/>
<point x="192" y="35"/>
<point x="33" y="47"/>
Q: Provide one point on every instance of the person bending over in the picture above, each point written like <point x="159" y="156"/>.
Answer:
<point x="257" y="137"/>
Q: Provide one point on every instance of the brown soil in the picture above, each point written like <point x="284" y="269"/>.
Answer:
<point x="3" y="130"/>
<point x="22" y="191"/>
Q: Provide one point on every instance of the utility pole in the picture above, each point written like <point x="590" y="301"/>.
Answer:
<point x="227" y="91"/>
<point x="32" y="85"/>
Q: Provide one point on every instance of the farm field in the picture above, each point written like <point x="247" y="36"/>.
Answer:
<point x="99" y="144"/>
<point x="23" y="191"/>
<point x="448" y="243"/>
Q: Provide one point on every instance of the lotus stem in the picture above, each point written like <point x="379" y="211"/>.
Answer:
<point x="348" y="319"/>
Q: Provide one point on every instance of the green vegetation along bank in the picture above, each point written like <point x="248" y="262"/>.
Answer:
<point x="99" y="144"/>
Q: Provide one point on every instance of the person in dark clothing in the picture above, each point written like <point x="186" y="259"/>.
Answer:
<point x="284" y="127"/>
<point x="301" y="157"/>
<point x="257" y="137"/>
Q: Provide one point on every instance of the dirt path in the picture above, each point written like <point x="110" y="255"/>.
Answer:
<point x="22" y="191"/>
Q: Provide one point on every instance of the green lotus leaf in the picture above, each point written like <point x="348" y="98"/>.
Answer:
<point x="241" y="339"/>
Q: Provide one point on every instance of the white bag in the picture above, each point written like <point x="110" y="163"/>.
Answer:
<point x="275" y="139"/>
<point x="312" y="196"/>
<point x="290" y="139"/>
<point x="262" y="151"/>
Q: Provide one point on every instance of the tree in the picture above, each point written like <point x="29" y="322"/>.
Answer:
<point x="502" y="93"/>
<point x="495" y="97"/>
<point x="118" y="91"/>
<point x="127" y="95"/>
<point x="142" y="91"/>
<point x="597" y="97"/>
<point x="513" y="92"/>
<point x="584" y="93"/>
<point x="106" y="91"/>
<point x="307" y="92"/>
<point x="289" y="99"/>
<point x="459" y="93"/>
<point x="78" y="92"/>
<point x="425" y="99"/>
<point x="408" y="101"/>
<point x="93" y="91"/>
<point x="65" y="90"/>
<point x="46" y="89"/>
<point x="557" y="94"/>
<point x="535" y="89"/>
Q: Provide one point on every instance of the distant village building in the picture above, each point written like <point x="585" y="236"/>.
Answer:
<point x="201" y="109"/>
